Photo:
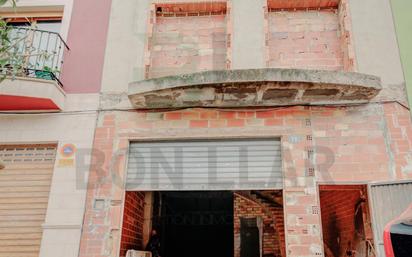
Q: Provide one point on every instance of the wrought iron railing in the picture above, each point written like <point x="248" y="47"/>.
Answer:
<point x="38" y="53"/>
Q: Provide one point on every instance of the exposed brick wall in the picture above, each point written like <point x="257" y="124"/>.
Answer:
<point x="133" y="218"/>
<point x="338" y="205"/>
<point x="346" y="39"/>
<point x="302" y="4"/>
<point x="358" y="143"/>
<point x="273" y="242"/>
<point x="305" y="39"/>
<point x="398" y="121"/>
<point x="188" y="44"/>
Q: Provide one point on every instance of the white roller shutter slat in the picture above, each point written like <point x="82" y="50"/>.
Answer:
<point x="24" y="192"/>
<point x="205" y="165"/>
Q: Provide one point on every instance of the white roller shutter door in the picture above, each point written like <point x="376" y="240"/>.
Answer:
<point x="24" y="193"/>
<point x="205" y="165"/>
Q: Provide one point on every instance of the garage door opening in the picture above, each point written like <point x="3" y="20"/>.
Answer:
<point x="196" y="223"/>
<point x="346" y="221"/>
<point x="206" y="223"/>
<point x="24" y="195"/>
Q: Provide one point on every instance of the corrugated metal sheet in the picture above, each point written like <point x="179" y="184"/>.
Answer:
<point x="388" y="201"/>
<point x="205" y="165"/>
<point x="24" y="194"/>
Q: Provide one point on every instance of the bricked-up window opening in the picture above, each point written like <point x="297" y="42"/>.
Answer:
<point x="309" y="35"/>
<point x="204" y="223"/>
<point x="187" y="38"/>
<point x="346" y="221"/>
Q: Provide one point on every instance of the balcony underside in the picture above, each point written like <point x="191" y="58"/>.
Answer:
<point x="257" y="87"/>
<point x="32" y="95"/>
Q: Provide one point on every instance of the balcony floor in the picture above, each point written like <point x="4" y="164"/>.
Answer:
<point x="257" y="87"/>
<point x="32" y="95"/>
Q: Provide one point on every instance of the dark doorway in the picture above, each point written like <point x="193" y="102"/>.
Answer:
<point x="249" y="238"/>
<point x="197" y="224"/>
<point x="346" y="221"/>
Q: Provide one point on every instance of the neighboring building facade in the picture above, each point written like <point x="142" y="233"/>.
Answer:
<point x="233" y="128"/>
<point x="402" y="24"/>
<point x="47" y="115"/>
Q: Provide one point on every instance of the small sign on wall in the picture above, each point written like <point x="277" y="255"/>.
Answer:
<point x="67" y="153"/>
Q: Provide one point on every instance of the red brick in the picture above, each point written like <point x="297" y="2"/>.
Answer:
<point x="235" y="123"/>
<point x="273" y="122"/>
<point x="208" y="115"/>
<point x="198" y="123"/>
<point x="264" y="114"/>
<point x="173" y="116"/>
<point x="244" y="115"/>
<point x="227" y="115"/>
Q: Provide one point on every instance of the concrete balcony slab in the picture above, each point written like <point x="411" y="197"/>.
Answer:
<point x="254" y="87"/>
<point x="32" y="95"/>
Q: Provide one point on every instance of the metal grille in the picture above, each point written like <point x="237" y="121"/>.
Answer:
<point x="44" y="51"/>
<point x="15" y="154"/>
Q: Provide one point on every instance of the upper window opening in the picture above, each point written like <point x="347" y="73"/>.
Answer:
<point x="187" y="38"/>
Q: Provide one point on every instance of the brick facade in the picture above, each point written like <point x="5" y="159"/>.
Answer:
<point x="305" y="39"/>
<point x="133" y="218"/>
<point x="322" y="146"/>
<point x="186" y="38"/>
<point x="319" y="144"/>
<point x="187" y="44"/>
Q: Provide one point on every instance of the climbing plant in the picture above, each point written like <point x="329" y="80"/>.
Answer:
<point x="7" y="58"/>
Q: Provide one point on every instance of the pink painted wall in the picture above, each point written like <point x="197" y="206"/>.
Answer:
<point x="83" y="64"/>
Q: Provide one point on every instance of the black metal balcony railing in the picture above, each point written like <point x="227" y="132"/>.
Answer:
<point x="38" y="53"/>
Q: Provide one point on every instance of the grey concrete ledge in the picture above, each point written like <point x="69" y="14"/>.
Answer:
<point x="254" y="87"/>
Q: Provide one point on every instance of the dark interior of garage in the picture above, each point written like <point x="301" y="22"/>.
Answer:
<point x="205" y="223"/>
<point x="196" y="223"/>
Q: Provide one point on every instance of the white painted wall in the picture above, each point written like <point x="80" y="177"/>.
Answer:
<point x="62" y="228"/>
<point x="375" y="42"/>
<point x="124" y="61"/>
<point x="64" y="219"/>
